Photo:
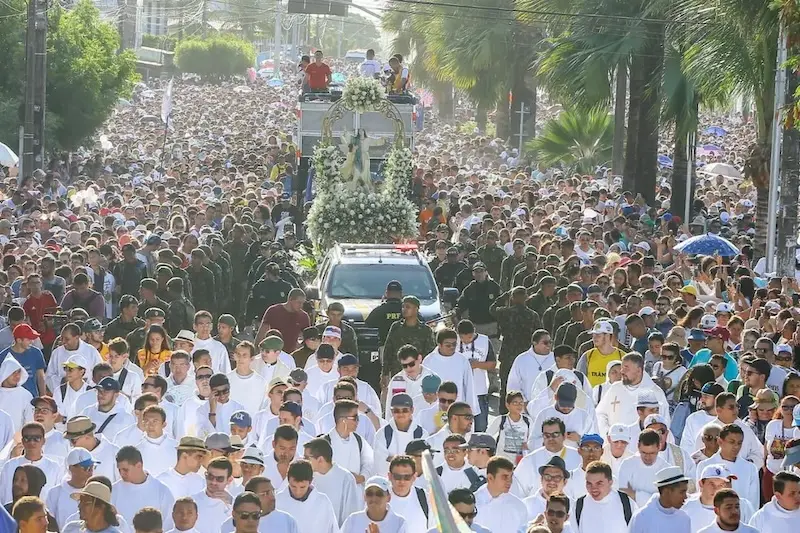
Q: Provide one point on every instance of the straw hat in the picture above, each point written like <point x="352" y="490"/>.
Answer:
<point x="95" y="489"/>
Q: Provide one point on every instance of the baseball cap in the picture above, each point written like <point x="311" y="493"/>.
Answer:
<point x="783" y="348"/>
<point x="401" y="400"/>
<point x="325" y="351"/>
<point x="25" y="331"/>
<point x="602" y="326"/>
<point x="80" y="457"/>
<point x="761" y="366"/>
<point x="149" y="283"/>
<point x="655" y="419"/>
<point x="348" y="359"/>
<point x="430" y="383"/>
<point x="108" y="383"/>
<point x="298" y="375"/>
<point x="619" y="432"/>
<point x="413" y="300"/>
<point x="480" y="441"/>
<point x="74" y="361"/>
<point x="378" y="481"/>
<point x="696" y="335"/>
<point x="796" y="415"/>
<point x="719" y="332"/>
<point x="689" y="289"/>
<point x="242" y="419"/>
<point x="228" y="320"/>
<point x="478" y="266"/>
<point x="218" y="441"/>
<point x="591" y="437"/>
<point x="646" y="398"/>
<point x="332" y="331"/>
<point x="712" y="389"/>
<point x="51" y="403"/>
<point x="717" y="471"/>
<point x="292" y="407"/>
<point x="723" y="307"/>
<point x="394" y="285"/>
<point x="708" y="322"/>
<point x="418" y="446"/>
<point x="252" y="456"/>
<point x="311" y="333"/>
<point x="154" y="312"/>
<point x="91" y="325"/>
<point x="646" y="311"/>
<point x="566" y="395"/>
<point x="273" y="343"/>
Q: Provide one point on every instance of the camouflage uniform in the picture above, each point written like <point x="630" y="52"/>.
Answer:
<point x="507" y="270"/>
<point x="517" y="324"/>
<point x="492" y="257"/>
<point x="419" y="336"/>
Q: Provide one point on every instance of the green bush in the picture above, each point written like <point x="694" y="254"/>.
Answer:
<point x="162" y="42"/>
<point x="215" y="58"/>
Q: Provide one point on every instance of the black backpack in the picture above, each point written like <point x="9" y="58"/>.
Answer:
<point x="476" y="480"/>
<point x="627" y="510"/>
<point x="388" y="433"/>
<point x="503" y="419"/>
<point x="360" y="443"/>
<point x="549" y="375"/>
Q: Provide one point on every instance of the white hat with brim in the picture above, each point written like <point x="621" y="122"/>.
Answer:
<point x="669" y="476"/>
<point x="95" y="489"/>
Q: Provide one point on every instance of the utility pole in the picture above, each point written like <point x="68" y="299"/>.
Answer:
<point x="522" y="112"/>
<point x="35" y="86"/>
<point x="790" y="182"/>
<point x="339" y="43"/>
<point x="775" y="153"/>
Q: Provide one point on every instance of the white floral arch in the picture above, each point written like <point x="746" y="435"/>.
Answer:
<point x="342" y="215"/>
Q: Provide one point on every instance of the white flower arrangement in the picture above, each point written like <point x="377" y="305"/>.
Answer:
<point x="362" y="94"/>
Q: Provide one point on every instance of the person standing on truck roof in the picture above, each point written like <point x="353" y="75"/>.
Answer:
<point x="370" y="67"/>
<point x="408" y="330"/>
<point x="389" y="312"/>
<point x="318" y="74"/>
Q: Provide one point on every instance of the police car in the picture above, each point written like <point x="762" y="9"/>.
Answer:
<point x="356" y="276"/>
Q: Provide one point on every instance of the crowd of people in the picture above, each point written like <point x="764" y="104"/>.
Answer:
<point x="161" y="368"/>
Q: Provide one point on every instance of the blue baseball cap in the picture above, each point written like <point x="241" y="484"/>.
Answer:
<point x="242" y="419"/>
<point x="591" y="437"/>
<point x="348" y="359"/>
<point x="108" y="383"/>
<point x="796" y="415"/>
<point x="697" y="335"/>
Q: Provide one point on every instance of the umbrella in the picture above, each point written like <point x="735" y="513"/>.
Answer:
<point x="7" y="156"/>
<point x="708" y="244"/>
<point x="712" y="148"/>
<point x="724" y="169"/>
<point x="665" y="161"/>
<point x="275" y="82"/>
<point x="716" y="130"/>
<point x="242" y="89"/>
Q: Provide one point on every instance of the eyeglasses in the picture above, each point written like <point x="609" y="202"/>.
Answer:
<point x="784" y="357"/>
<point x="466" y="416"/>
<point x="401" y="410"/>
<point x="553" y="435"/>
<point x="552" y="477"/>
<point x="709" y="438"/>
<point x="556" y="514"/>
<point x="412" y="364"/>
<point x="452" y="451"/>
<point x="43" y="410"/>
<point x="199" y="377"/>
<point x="212" y="477"/>
<point x="446" y="401"/>
<point x="403" y="477"/>
<point x="788" y="408"/>
<point x="591" y="449"/>
<point x="32" y="438"/>
<point x="469" y="516"/>
<point x="255" y="515"/>
<point x="354" y="418"/>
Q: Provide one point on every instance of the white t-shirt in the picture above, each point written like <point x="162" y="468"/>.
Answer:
<point x="250" y="391"/>
<point x="60" y="503"/>
<point x="408" y="507"/>
<point x="776" y="432"/>
<point x="640" y="477"/>
<point x="359" y="522"/>
<point x="743" y="528"/>
<point x="503" y="513"/>
<point x="182" y="485"/>
<point x="340" y="487"/>
<point x="128" y="498"/>
<point x="513" y="435"/>
<point x="313" y="515"/>
<point x="211" y="513"/>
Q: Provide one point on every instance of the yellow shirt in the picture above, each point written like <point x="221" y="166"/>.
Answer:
<point x="596" y="364"/>
<point x="149" y="361"/>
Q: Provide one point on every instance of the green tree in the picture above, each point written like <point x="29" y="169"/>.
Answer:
<point x="579" y="140"/>
<point x="86" y="75"/>
<point x="358" y="33"/>
<point x="215" y="58"/>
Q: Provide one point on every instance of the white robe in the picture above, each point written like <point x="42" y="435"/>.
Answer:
<point x="220" y="361"/>
<point x="458" y="370"/>
<point x="618" y="404"/>
<point x="359" y="522"/>
<point x="340" y="487"/>
<point x="313" y="515"/>
<point x="128" y="498"/>
<point x="55" y="367"/>
<point x="503" y="513"/>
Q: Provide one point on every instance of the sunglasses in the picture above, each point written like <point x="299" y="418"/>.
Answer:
<point x="401" y="410"/>
<point x="199" y="377"/>
<point x="374" y="493"/>
<point x="412" y="364"/>
<point x="446" y="401"/>
<point x="222" y="392"/>
<point x="255" y="515"/>
<point x="469" y="516"/>
<point x="556" y="514"/>
<point x="553" y="435"/>
<point x="32" y="438"/>
<point x="403" y="477"/>
<point x="212" y="477"/>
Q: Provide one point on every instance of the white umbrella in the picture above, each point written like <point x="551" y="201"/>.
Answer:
<point x="724" y="169"/>
<point x="7" y="156"/>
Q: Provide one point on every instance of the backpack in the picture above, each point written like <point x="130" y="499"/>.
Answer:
<point x="549" y="375"/>
<point x="679" y="416"/>
<point x="476" y="480"/>
<point x="360" y="443"/>
<point x="83" y="303"/>
<point x="627" y="511"/>
<point x="388" y="433"/>
<point x="503" y="419"/>
<point x="423" y="501"/>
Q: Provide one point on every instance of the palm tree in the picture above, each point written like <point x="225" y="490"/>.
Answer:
<point x="580" y="141"/>
<point x="737" y="41"/>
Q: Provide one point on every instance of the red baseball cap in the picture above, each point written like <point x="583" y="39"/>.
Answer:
<point x="24" y="331"/>
<point x="720" y="332"/>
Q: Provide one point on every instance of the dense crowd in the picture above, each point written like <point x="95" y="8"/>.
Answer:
<point x="162" y="369"/>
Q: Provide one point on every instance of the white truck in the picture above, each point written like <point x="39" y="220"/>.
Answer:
<point x="312" y="109"/>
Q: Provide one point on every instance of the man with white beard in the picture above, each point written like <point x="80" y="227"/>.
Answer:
<point x="618" y="404"/>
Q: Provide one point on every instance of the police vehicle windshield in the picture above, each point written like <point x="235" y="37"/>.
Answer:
<point x="369" y="281"/>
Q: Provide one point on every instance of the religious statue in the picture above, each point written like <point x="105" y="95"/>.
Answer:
<point x="356" y="168"/>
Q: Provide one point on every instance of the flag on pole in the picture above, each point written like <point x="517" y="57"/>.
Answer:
<point x="166" y="103"/>
<point x="447" y="519"/>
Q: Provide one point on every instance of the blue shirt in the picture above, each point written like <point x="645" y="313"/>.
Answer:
<point x="704" y="356"/>
<point x="31" y="360"/>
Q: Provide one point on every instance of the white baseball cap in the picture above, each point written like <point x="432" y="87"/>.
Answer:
<point x="723" y="307"/>
<point x="602" y="326"/>
<point x="646" y="311"/>
<point x="619" y="432"/>
<point x="646" y="398"/>
<point x="80" y="457"/>
<point x="717" y="471"/>
<point x="378" y="481"/>
<point x="708" y="322"/>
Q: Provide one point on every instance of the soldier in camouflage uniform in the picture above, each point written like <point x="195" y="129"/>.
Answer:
<point x="574" y="318"/>
<point x="510" y="263"/>
<point x="492" y="255"/>
<point x="563" y="315"/>
<point x="408" y="330"/>
<point x="549" y="316"/>
<point x="180" y="313"/>
<point x="544" y="297"/>
<point x="587" y="321"/>
<point x="516" y="323"/>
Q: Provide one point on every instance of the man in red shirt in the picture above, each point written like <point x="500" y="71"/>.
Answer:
<point x="38" y="304"/>
<point x="318" y="74"/>
<point x="288" y="318"/>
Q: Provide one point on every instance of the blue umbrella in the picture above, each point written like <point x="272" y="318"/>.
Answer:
<point x="712" y="148"/>
<point x="716" y="130"/>
<point x="708" y="244"/>
<point x="665" y="161"/>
